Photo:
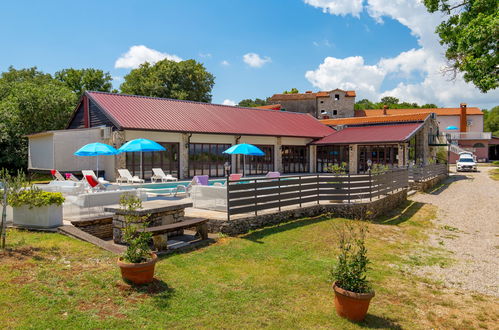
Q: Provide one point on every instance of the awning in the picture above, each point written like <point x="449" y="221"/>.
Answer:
<point x="371" y="134"/>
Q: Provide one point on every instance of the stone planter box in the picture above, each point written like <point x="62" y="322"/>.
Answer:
<point x="37" y="217"/>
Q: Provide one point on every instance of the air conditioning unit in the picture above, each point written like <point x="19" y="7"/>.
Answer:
<point x="105" y="133"/>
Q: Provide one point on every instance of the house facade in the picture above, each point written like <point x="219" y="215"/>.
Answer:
<point x="336" y="103"/>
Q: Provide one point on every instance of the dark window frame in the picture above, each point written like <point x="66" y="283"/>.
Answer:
<point x="168" y="160"/>
<point x="293" y="161"/>
<point x="211" y="163"/>
<point x="333" y="154"/>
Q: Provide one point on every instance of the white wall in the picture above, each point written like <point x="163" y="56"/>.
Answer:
<point x="446" y="121"/>
<point x="41" y="152"/>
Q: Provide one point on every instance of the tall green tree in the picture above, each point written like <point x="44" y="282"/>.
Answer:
<point x="250" y="103"/>
<point x="390" y="100"/>
<point x="292" y="91"/>
<point x="470" y="34"/>
<point x="81" y="80"/>
<point x="392" y="103"/>
<point x="491" y="120"/>
<point x="185" y="80"/>
<point x="30" y="102"/>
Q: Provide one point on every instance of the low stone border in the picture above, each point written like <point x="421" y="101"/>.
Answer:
<point x="370" y="210"/>
<point x="428" y="184"/>
<point x="101" y="227"/>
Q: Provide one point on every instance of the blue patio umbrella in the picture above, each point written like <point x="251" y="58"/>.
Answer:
<point x="244" y="149"/>
<point x="96" y="149"/>
<point x="452" y="128"/>
<point x="141" y="145"/>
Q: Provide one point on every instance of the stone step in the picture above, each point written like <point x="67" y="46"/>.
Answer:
<point x="81" y="235"/>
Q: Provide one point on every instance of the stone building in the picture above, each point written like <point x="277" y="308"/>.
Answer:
<point x="325" y="104"/>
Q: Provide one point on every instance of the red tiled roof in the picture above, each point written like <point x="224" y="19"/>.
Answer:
<point x="371" y="134"/>
<point x="438" y="111"/>
<point x="149" y="113"/>
<point x="376" y="119"/>
<point x="270" y="106"/>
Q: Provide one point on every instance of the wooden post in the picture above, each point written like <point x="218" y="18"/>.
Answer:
<point x="370" y="186"/>
<point x="228" y="200"/>
<point x="279" y="191"/>
<point x="299" y="187"/>
<point x="318" y="191"/>
<point x="256" y="203"/>
<point x="348" y="188"/>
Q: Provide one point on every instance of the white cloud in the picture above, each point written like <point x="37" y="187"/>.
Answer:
<point x="117" y="78"/>
<point x="205" y="55"/>
<point x="225" y="63"/>
<point x="229" y="102"/>
<point x="137" y="55"/>
<point x="426" y="61"/>
<point x="254" y="60"/>
<point x="338" y="7"/>
<point x="348" y="73"/>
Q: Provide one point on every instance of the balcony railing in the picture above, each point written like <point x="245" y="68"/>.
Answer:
<point x="470" y="135"/>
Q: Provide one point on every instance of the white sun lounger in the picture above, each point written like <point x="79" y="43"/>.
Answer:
<point x="126" y="176"/>
<point x="160" y="175"/>
<point x="92" y="173"/>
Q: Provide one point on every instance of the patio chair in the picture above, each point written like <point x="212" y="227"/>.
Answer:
<point x="92" y="173"/>
<point x="235" y="177"/>
<point x="71" y="177"/>
<point x="160" y="175"/>
<point x="94" y="183"/>
<point x="126" y="176"/>
<point x="57" y="175"/>
<point x="201" y="180"/>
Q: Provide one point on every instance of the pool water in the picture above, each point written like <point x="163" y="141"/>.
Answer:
<point x="172" y="185"/>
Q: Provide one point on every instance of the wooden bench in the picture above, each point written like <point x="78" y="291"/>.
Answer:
<point x="160" y="236"/>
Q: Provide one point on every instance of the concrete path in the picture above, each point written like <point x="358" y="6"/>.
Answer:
<point x="468" y="225"/>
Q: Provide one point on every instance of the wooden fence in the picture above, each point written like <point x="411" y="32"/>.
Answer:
<point x="253" y="195"/>
<point x="424" y="173"/>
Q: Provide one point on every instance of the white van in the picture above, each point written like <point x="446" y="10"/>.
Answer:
<point x="466" y="162"/>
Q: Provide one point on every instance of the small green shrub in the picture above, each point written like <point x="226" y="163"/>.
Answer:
<point x="138" y="249"/>
<point x="337" y="168"/>
<point x="495" y="162"/>
<point x="34" y="197"/>
<point x="350" y="273"/>
<point x="377" y="169"/>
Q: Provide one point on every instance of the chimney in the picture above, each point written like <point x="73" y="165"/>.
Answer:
<point x="463" y="118"/>
<point x="308" y="92"/>
<point x="385" y="107"/>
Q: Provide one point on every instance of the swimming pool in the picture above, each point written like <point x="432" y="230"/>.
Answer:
<point x="165" y="187"/>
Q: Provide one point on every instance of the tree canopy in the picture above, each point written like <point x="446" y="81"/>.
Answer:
<point x="292" y="91"/>
<point x="81" y="80"/>
<point x="491" y="120"/>
<point x="30" y="101"/>
<point x="249" y="103"/>
<point x="471" y="34"/>
<point x="392" y="103"/>
<point x="185" y="80"/>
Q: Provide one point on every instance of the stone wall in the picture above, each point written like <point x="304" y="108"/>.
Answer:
<point x="101" y="227"/>
<point x="344" y="105"/>
<point x="303" y="106"/>
<point x="367" y="211"/>
<point x="428" y="184"/>
<point x="156" y="219"/>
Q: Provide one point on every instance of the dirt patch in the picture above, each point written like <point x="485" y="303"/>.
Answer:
<point x="20" y="254"/>
<point x="104" y="308"/>
<point x="153" y="288"/>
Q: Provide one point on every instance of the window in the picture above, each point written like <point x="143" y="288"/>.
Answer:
<point x="294" y="159"/>
<point x="167" y="160"/>
<point x="207" y="159"/>
<point x="336" y="97"/>
<point x="478" y="145"/>
<point x="384" y="154"/>
<point x="322" y="102"/>
<point x="329" y="155"/>
<point x="335" y="112"/>
<point x="257" y="164"/>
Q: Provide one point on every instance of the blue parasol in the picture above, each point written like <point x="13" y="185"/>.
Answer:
<point x="96" y="149"/>
<point x="244" y="149"/>
<point x="141" y="145"/>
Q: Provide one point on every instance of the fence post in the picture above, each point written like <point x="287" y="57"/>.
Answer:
<point x="228" y="200"/>
<point x="279" y="191"/>
<point x="348" y="187"/>
<point x="370" y="186"/>
<point x="318" y="191"/>
<point x="299" y="188"/>
<point x="256" y="195"/>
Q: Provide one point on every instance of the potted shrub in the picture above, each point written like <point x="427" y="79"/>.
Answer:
<point x="352" y="291"/>
<point x="138" y="262"/>
<point x="35" y="208"/>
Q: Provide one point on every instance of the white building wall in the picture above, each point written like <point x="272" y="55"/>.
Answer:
<point x="41" y="152"/>
<point x="475" y="123"/>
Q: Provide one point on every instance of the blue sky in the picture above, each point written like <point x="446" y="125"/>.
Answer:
<point x="307" y="44"/>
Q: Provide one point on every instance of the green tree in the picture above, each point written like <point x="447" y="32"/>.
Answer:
<point x="292" y="91"/>
<point x="185" y="80"/>
<point x="390" y="100"/>
<point x="470" y="34"/>
<point x="491" y="120"/>
<point x="81" y="80"/>
<point x="30" y="102"/>
<point x="249" y="103"/>
<point x="364" y="104"/>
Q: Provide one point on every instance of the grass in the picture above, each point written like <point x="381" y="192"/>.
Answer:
<point x="494" y="174"/>
<point x="275" y="277"/>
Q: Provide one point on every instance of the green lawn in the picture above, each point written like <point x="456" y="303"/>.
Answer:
<point x="275" y="277"/>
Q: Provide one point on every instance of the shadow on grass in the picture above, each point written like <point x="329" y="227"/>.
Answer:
<point x="379" y="322"/>
<point x="257" y="235"/>
<point x="400" y="214"/>
<point x="157" y="289"/>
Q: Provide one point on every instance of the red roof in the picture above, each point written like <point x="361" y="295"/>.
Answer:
<point x="371" y="134"/>
<point x="375" y="119"/>
<point x="150" y="113"/>
<point x="438" y="111"/>
<point x="270" y="106"/>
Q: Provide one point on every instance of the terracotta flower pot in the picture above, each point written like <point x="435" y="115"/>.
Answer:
<point x="351" y="305"/>
<point x="140" y="273"/>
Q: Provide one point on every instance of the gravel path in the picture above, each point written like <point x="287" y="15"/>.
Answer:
<point x="468" y="225"/>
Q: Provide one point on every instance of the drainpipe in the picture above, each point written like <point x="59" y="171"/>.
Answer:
<point x="463" y="118"/>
